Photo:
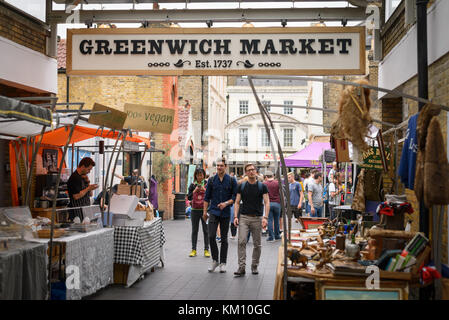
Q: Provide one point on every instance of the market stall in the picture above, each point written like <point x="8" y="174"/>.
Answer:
<point x="137" y="250"/>
<point x="391" y="245"/>
<point x="22" y="263"/>
<point x="88" y="262"/>
<point x="325" y="266"/>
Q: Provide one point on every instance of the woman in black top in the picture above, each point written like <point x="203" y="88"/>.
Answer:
<point x="196" y="195"/>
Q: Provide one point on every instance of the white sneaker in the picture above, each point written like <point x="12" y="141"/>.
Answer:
<point x="213" y="266"/>
<point x="222" y="267"/>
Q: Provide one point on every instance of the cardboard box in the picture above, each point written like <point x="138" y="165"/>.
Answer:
<point x="123" y="204"/>
<point x="125" y="189"/>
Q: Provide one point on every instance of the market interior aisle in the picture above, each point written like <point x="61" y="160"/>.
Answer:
<point x="187" y="278"/>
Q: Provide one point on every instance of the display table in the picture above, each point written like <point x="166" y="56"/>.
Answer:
<point x="328" y="285"/>
<point x="93" y="254"/>
<point x="23" y="270"/>
<point x="137" y="250"/>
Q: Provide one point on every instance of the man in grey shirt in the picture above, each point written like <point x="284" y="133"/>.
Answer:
<point x="315" y="190"/>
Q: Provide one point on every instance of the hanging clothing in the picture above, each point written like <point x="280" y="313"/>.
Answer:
<point x="153" y="193"/>
<point x="407" y="166"/>
<point x="436" y="167"/>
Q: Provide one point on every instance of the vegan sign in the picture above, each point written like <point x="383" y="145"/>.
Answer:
<point x="217" y="51"/>
<point x="149" y="119"/>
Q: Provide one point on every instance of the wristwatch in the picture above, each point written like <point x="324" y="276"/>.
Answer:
<point x="265" y="217"/>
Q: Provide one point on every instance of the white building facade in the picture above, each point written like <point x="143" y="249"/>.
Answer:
<point x="246" y="137"/>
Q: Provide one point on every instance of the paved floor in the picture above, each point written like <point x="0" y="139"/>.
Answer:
<point x="186" y="278"/>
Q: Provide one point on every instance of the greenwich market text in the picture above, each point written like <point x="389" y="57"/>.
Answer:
<point x="216" y="46"/>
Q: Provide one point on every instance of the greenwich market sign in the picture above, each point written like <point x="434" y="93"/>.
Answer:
<point x="216" y="51"/>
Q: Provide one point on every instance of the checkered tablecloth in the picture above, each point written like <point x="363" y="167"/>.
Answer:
<point x="139" y="245"/>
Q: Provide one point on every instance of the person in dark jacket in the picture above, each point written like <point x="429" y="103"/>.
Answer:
<point x="196" y="195"/>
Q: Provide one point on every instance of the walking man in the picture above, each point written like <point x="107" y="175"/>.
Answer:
<point x="275" y="207"/>
<point x="316" y="195"/>
<point x="253" y="194"/>
<point x="220" y="194"/>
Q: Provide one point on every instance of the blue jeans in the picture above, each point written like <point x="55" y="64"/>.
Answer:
<point x="307" y="207"/>
<point x="275" y="212"/>
<point x="318" y="211"/>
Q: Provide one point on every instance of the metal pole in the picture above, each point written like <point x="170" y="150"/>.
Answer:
<point x="423" y="86"/>
<point x="285" y="200"/>
<point x="113" y="171"/>
<point x="346" y="182"/>
<point x="106" y="179"/>
<point x="53" y="212"/>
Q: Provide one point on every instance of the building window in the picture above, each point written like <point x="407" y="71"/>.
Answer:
<point x="288" y="137"/>
<point x="288" y="110"/>
<point x="264" y="138"/>
<point x="266" y="104"/>
<point x="243" y="137"/>
<point x="243" y="106"/>
<point x="390" y="7"/>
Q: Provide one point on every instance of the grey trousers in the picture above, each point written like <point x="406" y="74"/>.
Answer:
<point x="246" y="224"/>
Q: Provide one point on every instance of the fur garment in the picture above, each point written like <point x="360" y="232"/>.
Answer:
<point x="425" y="115"/>
<point x="353" y="116"/>
<point x="419" y="175"/>
<point x="358" y="202"/>
<point x="436" y="167"/>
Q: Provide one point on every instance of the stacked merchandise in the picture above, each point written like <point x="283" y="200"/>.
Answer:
<point x="408" y="256"/>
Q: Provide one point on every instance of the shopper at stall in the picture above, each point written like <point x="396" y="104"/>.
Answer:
<point x="79" y="189"/>
<point x="249" y="215"/>
<point x="220" y="195"/>
<point x="275" y="207"/>
<point x="335" y="190"/>
<point x="332" y="172"/>
<point x="296" y="195"/>
<point x="315" y="190"/>
<point x="197" y="190"/>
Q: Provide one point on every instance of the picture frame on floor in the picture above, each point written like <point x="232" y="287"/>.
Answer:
<point x="333" y="290"/>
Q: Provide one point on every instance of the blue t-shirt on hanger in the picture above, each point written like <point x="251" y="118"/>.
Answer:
<point x="407" y="164"/>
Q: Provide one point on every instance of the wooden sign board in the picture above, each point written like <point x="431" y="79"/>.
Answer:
<point x="217" y="51"/>
<point x="148" y="118"/>
<point x="115" y="119"/>
<point x="372" y="158"/>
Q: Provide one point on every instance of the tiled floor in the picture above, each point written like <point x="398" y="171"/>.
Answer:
<point x="185" y="278"/>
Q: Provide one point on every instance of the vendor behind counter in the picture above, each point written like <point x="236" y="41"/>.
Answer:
<point x="79" y="187"/>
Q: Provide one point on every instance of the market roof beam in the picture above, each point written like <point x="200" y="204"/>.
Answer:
<point x="215" y="15"/>
<point x="362" y="3"/>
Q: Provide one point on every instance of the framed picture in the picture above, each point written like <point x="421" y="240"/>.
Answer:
<point x="326" y="290"/>
<point x="50" y="160"/>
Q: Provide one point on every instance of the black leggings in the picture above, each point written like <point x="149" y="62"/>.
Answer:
<point x="196" y="217"/>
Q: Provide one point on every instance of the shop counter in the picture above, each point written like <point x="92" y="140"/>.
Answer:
<point x="92" y="253"/>
<point x="137" y="250"/>
<point x="23" y="271"/>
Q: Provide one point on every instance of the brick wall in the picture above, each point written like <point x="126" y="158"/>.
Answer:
<point x="22" y="30"/>
<point x="115" y="91"/>
<point x="190" y="89"/>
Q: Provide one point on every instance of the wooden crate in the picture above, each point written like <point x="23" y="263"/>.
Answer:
<point x="121" y="273"/>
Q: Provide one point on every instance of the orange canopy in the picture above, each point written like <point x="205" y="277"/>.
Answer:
<point x="59" y="136"/>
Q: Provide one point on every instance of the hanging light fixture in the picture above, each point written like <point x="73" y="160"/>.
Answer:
<point x="174" y="25"/>
<point x="248" y="24"/>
